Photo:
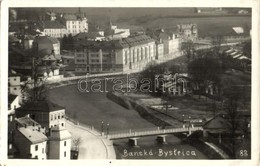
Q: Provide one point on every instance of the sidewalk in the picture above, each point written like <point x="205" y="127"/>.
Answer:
<point x="93" y="146"/>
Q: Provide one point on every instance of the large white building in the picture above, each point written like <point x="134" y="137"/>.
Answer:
<point x="75" y="23"/>
<point x="52" y="28"/>
<point x="132" y="53"/>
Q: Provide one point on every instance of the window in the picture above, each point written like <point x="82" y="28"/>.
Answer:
<point x="15" y="88"/>
<point x="64" y="154"/>
<point x="36" y="147"/>
<point x="64" y="143"/>
<point x="51" y="117"/>
<point x="42" y="150"/>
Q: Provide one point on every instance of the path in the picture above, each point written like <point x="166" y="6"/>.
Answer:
<point x="93" y="146"/>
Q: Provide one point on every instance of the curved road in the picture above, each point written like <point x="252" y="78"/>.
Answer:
<point x="92" y="145"/>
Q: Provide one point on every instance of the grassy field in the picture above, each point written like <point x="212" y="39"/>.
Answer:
<point x="92" y="108"/>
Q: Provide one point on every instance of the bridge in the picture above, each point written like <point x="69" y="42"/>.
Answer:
<point x="151" y="132"/>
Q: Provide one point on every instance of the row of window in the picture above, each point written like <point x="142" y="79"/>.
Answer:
<point x="57" y="116"/>
<point x="138" y="54"/>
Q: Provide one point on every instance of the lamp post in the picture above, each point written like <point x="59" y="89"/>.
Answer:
<point x="107" y="128"/>
<point x="189" y="121"/>
<point x="102" y="127"/>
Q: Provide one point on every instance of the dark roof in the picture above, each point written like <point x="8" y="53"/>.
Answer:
<point x="137" y="40"/>
<point x="45" y="39"/>
<point x="41" y="106"/>
<point x="52" y="25"/>
<point x="87" y="35"/>
<point x="13" y="39"/>
<point x="11" y="98"/>
<point x="217" y="123"/>
<point x="26" y="121"/>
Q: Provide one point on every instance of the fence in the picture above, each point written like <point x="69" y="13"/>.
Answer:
<point x="147" y="132"/>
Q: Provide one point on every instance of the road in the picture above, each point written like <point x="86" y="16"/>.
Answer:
<point x="92" y="145"/>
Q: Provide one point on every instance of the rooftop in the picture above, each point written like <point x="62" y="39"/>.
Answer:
<point x="59" y="133"/>
<point x="11" y="98"/>
<point x="116" y="44"/>
<point x="52" y="25"/>
<point x="33" y="136"/>
<point x="41" y="106"/>
<point x="26" y="121"/>
<point x="87" y="35"/>
<point x="46" y="39"/>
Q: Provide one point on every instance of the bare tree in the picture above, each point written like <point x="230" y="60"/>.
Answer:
<point x="76" y="141"/>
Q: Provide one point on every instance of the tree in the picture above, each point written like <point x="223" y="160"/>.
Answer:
<point x="217" y="41"/>
<point x="188" y="49"/>
<point x="36" y="89"/>
<point x="205" y="71"/>
<point x="76" y="141"/>
<point x="233" y="97"/>
<point x="150" y="73"/>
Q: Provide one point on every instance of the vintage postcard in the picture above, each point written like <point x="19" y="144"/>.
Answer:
<point x="116" y="83"/>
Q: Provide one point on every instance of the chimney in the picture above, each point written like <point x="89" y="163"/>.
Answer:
<point x="50" y="131"/>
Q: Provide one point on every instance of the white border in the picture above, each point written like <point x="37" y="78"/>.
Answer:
<point x="137" y="3"/>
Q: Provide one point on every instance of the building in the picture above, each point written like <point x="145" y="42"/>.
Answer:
<point x="52" y="28"/>
<point x="114" y="32"/>
<point x="75" y="23"/>
<point x="92" y="36"/>
<point x="59" y="143"/>
<point x="132" y="53"/>
<point x="171" y="43"/>
<point x="188" y="31"/>
<point x="211" y="10"/>
<point x="14" y="82"/>
<point x="13" y="103"/>
<point x="28" y="41"/>
<point x="159" y="49"/>
<point x="46" y="113"/>
<point x="31" y="144"/>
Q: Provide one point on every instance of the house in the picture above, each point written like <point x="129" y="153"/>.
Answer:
<point x="170" y="41"/>
<point x="188" y="31"/>
<point x="132" y="53"/>
<point x="46" y="113"/>
<point x="114" y="32"/>
<point x="75" y="23"/>
<point x="52" y="28"/>
<point x="31" y="144"/>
